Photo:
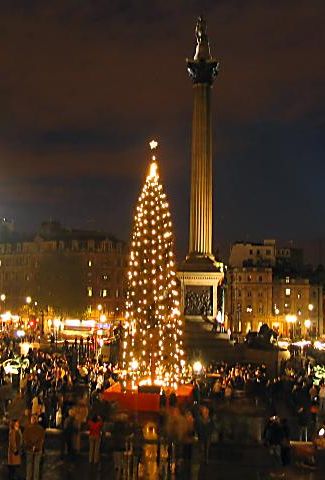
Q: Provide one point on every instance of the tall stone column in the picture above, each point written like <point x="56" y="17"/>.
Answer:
<point x="200" y="238"/>
<point x="200" y="274"/>
<point x="202" y="70"/>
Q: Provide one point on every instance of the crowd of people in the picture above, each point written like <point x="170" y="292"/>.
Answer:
<point x="225" y="381"/>
<point x="63" y="390"/>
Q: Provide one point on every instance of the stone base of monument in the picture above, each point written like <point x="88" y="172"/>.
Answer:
<point x="146" y="399"/>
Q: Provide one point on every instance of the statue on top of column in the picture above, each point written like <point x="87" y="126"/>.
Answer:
<point x="202" y="51"/>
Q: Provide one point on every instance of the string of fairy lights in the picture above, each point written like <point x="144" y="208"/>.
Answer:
<point x="152" y="345"/>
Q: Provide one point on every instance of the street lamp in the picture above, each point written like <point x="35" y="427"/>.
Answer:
<point x="197" y="367"/>
<point x="307" y="324"/>
<point x="102" y="318"/>
<point x="3" y="299"/>
<point x="291" y="319"/>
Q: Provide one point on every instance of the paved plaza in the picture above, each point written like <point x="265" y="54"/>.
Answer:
<point x="226" y="462"/>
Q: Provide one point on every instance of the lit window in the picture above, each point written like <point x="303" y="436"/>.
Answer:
<point x="90" y="263"/>
<point x="287" y="279"/>
<point x="288" y="292"/>
<point x="286" y="305"/>
<point x="104" y="293"/>
<point x="105" y="276"/>
<point x="90" y="291"/>
<point x="299" y="295"/>
<point x="249" y="278"/>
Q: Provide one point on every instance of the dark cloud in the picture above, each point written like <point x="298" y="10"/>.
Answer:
<point x="84" y="85"/>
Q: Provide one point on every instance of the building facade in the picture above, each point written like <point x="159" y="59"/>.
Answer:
<point x="260" y="290"/>
<point x="297" y="306"/>
<point x="249" y="298"/>
<point x="99" y="262"/>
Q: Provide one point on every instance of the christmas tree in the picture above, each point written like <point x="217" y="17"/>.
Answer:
<point x="152" y="347"/>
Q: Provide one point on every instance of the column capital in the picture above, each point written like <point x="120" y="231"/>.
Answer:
<point x="202" y="71"/>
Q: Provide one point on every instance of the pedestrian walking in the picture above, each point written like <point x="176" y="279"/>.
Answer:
<point x="14" y="449"/>
<point x="33" y="439"/>
<point x="95" y="426"/>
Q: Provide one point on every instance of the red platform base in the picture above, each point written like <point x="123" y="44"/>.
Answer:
<point x="133" y="401"/>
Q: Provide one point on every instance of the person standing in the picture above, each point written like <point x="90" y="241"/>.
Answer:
<point x="204" y="427"/>
<point x="285" y="443"/>
<point x="95" y="426"/>
<point x="14" y="449"/>
<point x="322" y="397"/>
<point x="80" y="414"/>
<point x="33" y="439"/>
<point x="119" y="435"/>
<point x="67" y="436"/>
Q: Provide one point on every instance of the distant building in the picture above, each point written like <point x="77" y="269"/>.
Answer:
<point x="268" y="284"/>
<point x="253" y="254"/>
<point x="103" y="259"/>
<point x="297" y="306"/>
<point x="249" y="298"/>
<point x="266" y="254"/>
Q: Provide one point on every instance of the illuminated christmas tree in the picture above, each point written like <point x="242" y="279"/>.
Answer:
<point x="152" y="348"/>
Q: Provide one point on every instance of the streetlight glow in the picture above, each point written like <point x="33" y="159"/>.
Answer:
<point x="307" y="323"/>
<point x="197" y="367"/>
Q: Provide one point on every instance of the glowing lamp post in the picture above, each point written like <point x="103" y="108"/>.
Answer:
<point x="291" y="320"/>
<point x="99" y="310"/>
<point x="3" y="299"/>
<point x="197" y="367"/>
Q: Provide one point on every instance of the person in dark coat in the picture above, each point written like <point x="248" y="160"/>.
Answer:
<point x="67" y="435"/>
<point x="33" y="437"/>
<point x="14" y="449"/>
<point x="204" y="427"/>
<point x="119" y="438"/>
<point x="285" y="443"/>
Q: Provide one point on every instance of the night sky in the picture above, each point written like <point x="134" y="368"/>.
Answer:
<point x="84" y="85"/>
